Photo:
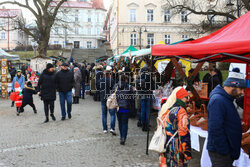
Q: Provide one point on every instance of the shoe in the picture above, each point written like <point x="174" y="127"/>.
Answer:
<point x="35" y="112"/>
<point x="105" y="131"/>
<point x="74" y="100"/>
<point x="112" y="132"/>
<point x="12" y="105"/>
<point x="122" y="142"/>
<point x="69" y="115"/>
<point x="83" y="98"/>
<point x="139" y="124"/>
<point x="46" y="120"/>
<point x="17" y="113"/>
<point x="145" y="128"/>
<point x="63" y="118"/>
<point x="53" y="117"/>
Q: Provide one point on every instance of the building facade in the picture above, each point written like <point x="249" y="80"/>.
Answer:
<point x="10" y="38"/>
<point x="143" y="23"/>
<point x="80" y="22"/>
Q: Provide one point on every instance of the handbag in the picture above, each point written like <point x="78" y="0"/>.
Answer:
<point x="112" y="101"/>
<point x="158" y="141"/>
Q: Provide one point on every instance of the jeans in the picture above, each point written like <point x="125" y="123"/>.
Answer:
<point x="123" y="124"/>
<point x="83" y="89"/>
<point x="219" y="160"/>
<point x="68" y="97"/>
<point x="104" y="116"/>
<point x="145" y="108"/>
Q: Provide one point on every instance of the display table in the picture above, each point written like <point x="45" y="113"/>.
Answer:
<point x="195" y="132"/>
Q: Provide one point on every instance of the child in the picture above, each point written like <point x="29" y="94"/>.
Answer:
<point x="28" y="92"/>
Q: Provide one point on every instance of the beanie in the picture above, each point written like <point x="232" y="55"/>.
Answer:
<point x="49" y="65"/>
<point x="235" y="79"/>
<point x="181" y="93"/>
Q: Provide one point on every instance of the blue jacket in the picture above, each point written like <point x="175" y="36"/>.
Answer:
<point x="21" y="82"/>
<point x="224" y="124"/>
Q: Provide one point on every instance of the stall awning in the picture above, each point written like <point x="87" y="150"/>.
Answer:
<point x="130" y="48"/>
<point x="5" y="55"/>
<point x="231" y="39"/>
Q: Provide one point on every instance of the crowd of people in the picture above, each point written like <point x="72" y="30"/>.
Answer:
<point x="134" y="92"/>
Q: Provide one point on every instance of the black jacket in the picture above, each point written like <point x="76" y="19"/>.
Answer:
<point x="124" y="95"/>
<point x="145" y="84"/>
<point x="98" y="75"/>
<point x="105" y="86"/>
<point x="27" y="95"/>
<point x="64" y="80"/>
<point x="47" y="86"/>
<point x="84" y="74"/>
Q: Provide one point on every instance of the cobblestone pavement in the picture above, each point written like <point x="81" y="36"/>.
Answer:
<point x="25" y="141"/>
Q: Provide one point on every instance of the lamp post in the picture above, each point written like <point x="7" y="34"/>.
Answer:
<point x="140" y="32"/>
<point x="34" y="46"/>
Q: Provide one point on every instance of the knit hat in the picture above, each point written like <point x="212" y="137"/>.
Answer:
<point x="19" y="71"/>
<point x="181" y="93"/>
<point x="29" y="84"/>
<point x="235" y="79"/>
<point x="49" y="65"/>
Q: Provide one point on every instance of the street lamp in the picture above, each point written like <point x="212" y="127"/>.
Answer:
<point x="34" y="46"/>
<point x="140" y="32"/>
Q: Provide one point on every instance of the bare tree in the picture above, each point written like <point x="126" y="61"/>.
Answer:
<point x="45" y="17"/>
<point x="230" y="9"/>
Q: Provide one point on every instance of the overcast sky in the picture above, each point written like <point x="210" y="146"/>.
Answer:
<point x="29" y="16"/>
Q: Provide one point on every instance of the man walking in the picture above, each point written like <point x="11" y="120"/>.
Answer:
<point x="105" y="86"/>
<point x="224" y="124"/>
<point x="65" y="82"/>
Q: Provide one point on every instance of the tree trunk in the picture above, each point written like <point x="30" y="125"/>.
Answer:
<point x="43" y="47"/>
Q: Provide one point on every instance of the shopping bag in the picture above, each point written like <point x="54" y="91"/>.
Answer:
<point x="112" y="101"/>
<point x="158" y="141"/>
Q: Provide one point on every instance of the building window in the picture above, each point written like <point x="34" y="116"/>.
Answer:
<point x="89" y="19"/>
<point x="98" y="31"/>
<point x="56" y="30"/>
<point x="150" y="15"/>
<point x="133" y="40"/>
<point x="89" y="31"/>
<point x="184" y="16"/>
<point x="76" y="31"/>
<point x="76" y="18"/>
<point x="167" y="39"/>
<point x="89" y="44"/>
<point x="150" y="40"/>
<point x="3" y="35"/>
<point x="132" y="13"/>
<point x="184" y="37"/>
<point x="167" y="15"/>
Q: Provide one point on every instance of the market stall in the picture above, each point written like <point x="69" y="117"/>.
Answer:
<point x="229" y="44"/>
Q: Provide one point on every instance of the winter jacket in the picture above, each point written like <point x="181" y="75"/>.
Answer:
<point x="77" y="83"/>
<point x="21" y="82"/>
<point x="145" y="84"/>
<point x="105" y="86"/>
<point x="98" y="75"/>
<point x="123" y="95"/>
<point x="47" y="86"/>
<point x="64" y="80"/>
<point x="27" y="95"/>
<point x="224" y="124"/>
<point x="84" y="74"/>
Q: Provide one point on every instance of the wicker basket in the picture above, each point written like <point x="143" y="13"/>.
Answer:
<point x="202" y="123"/>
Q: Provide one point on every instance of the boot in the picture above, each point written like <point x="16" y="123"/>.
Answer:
<point x="145" y="127"/>
<point x="53" y="117"/>
<point x="77" y="100"/>
<point x="46" y="120"/>
<point x="74" y="100"/>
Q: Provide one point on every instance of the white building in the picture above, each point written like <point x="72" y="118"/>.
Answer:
<point x="9" y="37"/>
<point x="82" y="24"/>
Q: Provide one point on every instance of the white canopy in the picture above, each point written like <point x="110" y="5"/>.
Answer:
<point x="5" y="55"/>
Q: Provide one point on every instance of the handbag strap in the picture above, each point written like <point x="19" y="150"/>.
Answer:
<point x="115" y="90"/>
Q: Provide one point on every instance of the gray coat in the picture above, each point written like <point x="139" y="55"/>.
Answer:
<point x="78" y="81"/>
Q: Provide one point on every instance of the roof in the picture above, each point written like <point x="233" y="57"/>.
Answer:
<point x="5" y="55"/>
<point x="231" y="39"/>
<point x="130" y="48"/>
<point x="9" y="13"/>
<point x="80" y="4"/>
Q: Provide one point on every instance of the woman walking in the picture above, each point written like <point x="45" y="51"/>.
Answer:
<point x="77" y="85"/>
<point x="123" y="93"/>
<point x="176" y="123"/>
<point x="46" y="88"/>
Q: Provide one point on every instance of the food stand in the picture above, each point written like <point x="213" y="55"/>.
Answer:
<point x="229" y="44"/>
